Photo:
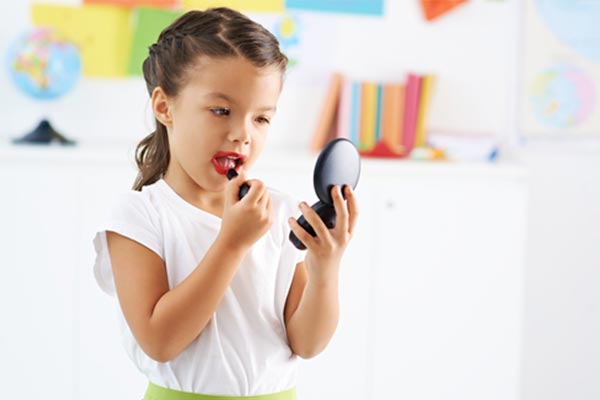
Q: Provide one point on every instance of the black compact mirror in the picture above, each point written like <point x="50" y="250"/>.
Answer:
<point x="337" y="164"/>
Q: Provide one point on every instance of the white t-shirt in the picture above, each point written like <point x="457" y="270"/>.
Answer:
<point x="244" y="349"/>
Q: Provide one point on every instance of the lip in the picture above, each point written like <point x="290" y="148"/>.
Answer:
<point x="219" y="168"/>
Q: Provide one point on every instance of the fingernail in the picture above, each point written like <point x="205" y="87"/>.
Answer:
<point x="302" y="204"/>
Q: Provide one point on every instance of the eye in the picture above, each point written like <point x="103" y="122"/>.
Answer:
<point x="220" y="111"/>
<point x="263" y="120"/>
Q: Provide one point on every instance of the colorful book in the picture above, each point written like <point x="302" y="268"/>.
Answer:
<point x="378" y="108"/>
<point x="327" y="122"/>
<point x="368" y="112"/>
<point x="411" y="109"/>
<point x="426" y="86"/>
<point x="345" y="110"/>
<point x="355" y="116"/>
<point x="392" y="116"/>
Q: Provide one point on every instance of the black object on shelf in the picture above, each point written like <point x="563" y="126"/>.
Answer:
<point x="44" y="133"/>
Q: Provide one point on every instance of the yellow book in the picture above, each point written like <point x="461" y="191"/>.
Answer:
<point x="421" y="130"/>
<point x="368" y="116"/>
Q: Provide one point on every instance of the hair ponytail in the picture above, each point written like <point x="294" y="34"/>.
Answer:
<point x="152" y="157"/>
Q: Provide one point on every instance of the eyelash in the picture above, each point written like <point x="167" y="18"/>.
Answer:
<point x="223" y="112"/>
<point x="217" y="111"/>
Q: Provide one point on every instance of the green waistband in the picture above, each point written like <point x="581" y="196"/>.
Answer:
<point x="155" y="392"/>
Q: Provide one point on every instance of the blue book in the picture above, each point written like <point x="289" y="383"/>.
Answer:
<point x="378" y="113"/>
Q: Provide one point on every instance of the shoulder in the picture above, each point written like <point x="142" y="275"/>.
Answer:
<point x="136" y="214"/>
<point x="135" y="204"/>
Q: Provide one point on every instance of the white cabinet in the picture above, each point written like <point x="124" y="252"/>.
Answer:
<point x="431" y="285"/>
<point x="37" y="297"/>
<point x="59" y="338"/>
<point x="448" y="288"/>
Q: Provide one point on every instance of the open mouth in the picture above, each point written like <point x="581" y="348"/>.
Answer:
<point x="223" y="161"/>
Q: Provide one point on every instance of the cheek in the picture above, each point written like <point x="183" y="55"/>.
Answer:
<point x="190" y="147"/>
<point x="258" y="139"/>
<point x="258" y="143"/>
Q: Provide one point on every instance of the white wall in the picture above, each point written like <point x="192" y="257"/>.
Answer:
<point x="468" y="52"/>
<point x="562" y="314"/>
<point x="473" y="52"/>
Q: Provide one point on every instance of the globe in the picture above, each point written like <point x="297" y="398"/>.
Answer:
<point x="42" y="65"/>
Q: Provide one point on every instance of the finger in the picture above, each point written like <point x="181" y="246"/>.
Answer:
<point x="314" y="220"/>
<point x="300" y="232"/>
<point x="264" y="200"/>
<point x="341" y="211"/>
<point x="232" y="190"/>
<point x="256" y="191"/>
<point x="352" y="208"/>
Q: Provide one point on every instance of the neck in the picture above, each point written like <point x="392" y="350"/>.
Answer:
<point x="193" y="193"/>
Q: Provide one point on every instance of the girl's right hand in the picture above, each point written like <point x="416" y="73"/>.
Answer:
<point x="247" y="220"/>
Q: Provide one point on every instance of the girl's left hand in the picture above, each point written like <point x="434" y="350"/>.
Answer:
<point x="325" y="250"/>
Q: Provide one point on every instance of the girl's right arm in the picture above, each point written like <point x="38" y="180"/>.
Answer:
<point x="164" y="322"/>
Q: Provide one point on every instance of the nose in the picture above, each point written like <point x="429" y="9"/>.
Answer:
<point x="240" y="133"/>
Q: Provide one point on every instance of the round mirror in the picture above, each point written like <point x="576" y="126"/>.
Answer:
<point x="338" y="164"/>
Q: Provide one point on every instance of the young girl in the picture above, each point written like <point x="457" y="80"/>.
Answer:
<point x="215" y="299"/>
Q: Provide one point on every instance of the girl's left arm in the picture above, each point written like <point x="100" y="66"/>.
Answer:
<point x="312" y="306"/>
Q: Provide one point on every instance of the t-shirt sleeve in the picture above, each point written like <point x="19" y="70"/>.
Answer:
<point x="132" y="216"/>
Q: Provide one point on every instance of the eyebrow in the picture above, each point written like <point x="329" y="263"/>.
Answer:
<point x="223" y="96"/>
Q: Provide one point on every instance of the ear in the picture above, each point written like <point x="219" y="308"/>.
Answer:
<point x="161" y="104"/>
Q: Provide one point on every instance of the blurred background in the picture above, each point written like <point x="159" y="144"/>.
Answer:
<point x="476" y="268"/>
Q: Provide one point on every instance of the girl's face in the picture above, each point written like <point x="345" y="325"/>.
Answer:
<point x="219" y="120"/>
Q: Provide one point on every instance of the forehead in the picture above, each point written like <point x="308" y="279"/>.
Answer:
<point x="235" y="77"/>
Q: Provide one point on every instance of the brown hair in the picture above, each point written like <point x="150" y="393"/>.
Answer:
<point x="217" y="32"/>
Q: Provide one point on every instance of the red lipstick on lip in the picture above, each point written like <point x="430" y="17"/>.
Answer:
<point x="220" y="168"/>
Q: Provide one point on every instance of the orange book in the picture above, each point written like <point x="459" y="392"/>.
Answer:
<point x="392" y="115"/>
<point x="327" y="122"/>
<point x="366" y="139"/>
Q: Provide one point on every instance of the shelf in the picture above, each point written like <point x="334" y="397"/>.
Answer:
<point x="121" y="155"/>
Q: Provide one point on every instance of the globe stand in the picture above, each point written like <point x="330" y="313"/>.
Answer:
<point x="44" y="133"/>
